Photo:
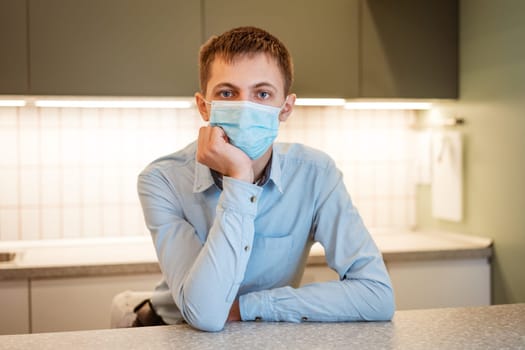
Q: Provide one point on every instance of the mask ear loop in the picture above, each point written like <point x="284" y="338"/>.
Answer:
<point x="208" y="103"/>
<point x="284" y="103"/>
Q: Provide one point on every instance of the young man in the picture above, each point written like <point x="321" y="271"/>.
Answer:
<point x="233" y="216"/>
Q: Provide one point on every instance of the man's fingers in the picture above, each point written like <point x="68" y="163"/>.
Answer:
<point x="215" y="151"/>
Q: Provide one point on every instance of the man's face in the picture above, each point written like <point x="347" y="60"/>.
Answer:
<point x="255" y="78"/>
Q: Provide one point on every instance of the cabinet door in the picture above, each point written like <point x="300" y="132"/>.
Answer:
<point x="321" y="35"/>
<point x="13" y="47"/>
<point x="117" y="47"/>
<point x="80" y="303"/>
<point x="409" y="48"/>
<point x="440" y="283"/>
<point x="14" y="303"/>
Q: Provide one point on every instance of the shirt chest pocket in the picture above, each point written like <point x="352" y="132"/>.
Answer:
<point x="270" y="263"/>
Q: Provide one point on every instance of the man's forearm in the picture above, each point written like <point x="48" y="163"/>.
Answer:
<point x="333" y="301"/>
<point x="206" y="293"/>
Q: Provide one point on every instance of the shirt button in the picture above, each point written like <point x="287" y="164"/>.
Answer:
<point x="253" y="199"/>
<point x="246" y="248"/>
<point x="304" y="318"/>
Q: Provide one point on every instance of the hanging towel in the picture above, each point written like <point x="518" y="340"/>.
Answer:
<point x="447" y="176"/>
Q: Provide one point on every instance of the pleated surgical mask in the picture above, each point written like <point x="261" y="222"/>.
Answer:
<point x="251" y="127"/>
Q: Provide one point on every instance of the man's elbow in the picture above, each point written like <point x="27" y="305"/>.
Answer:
<point x="204" y="321"/>
<point x="386" y="307"/>
<point x="209" y="325"/>
<point x="379" y="304"/>
<point x="387" y="311"/>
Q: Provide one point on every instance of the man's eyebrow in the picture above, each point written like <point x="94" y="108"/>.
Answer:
<point x="225" y="85"/>
<point x="265" y="84"/>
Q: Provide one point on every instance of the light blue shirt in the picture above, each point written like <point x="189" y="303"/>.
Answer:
<point x="251" y="242"/>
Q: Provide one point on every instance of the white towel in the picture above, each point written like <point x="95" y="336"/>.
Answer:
<point x="447" y="176"/>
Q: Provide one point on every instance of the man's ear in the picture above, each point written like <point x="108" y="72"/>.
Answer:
<point x="288" y="108"/>
<point x="202" y="106"/>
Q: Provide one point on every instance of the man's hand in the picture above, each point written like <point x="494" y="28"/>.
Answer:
<point x="215" y="151"/>
<point x="235" y="312"/>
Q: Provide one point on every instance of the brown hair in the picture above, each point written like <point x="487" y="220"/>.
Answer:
<point x="244" y="41"/>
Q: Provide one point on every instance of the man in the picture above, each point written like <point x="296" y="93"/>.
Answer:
<point x="233" y="216"/>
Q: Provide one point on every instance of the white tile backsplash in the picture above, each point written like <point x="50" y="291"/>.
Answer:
<point x="71" y="172"/>
<point x="92" y="223"/>
<point x="30" y="223"/>
<point x="8" y="144"/>
<point x="9" y="223"/>
<point x="52" y="224"/>
<point x="9" y="196"/>
<point x="30" y="188"/>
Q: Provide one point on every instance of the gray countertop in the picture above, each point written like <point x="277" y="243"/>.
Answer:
<point x="135" y="255"/>
<point x="489" y="327"/>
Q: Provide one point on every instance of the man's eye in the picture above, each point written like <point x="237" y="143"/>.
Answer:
<point x="226" y="94"/>
<point x="264" y="95"/>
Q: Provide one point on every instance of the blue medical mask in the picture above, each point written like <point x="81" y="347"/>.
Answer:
<point x="251" y="127"/>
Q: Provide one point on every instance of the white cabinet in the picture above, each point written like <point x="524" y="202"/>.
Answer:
<point x="14" y="303"/>
<point x="425" y="284"/>
<point x="440" y="283"/>
<point x="66" y="304"/>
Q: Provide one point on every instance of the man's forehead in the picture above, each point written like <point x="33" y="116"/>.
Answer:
<point x="261" y="66"/>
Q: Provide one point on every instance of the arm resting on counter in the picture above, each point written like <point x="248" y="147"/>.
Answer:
<point x="363" y="294"/>
<point x="364" y="291"/>
<point x="203" y="277"/>
<point x="332" y="301"/>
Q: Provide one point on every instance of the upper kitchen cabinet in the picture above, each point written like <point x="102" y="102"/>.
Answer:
<point x="117" y="47"/>
<point x="322" y="37"/>
<point x="409" y="49"/>
<point x="13" y="46"/>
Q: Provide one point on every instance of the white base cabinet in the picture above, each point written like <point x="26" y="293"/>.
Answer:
<point x="425" y="284"/>
<point x="67" y="304"/>
<point x="14" y="303"/>
<point x="440" y="283"/>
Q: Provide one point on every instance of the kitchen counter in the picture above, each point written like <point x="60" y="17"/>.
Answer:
<point x="136" y="255"/>
<point x="412" y="246"/>
<point x="489" y="327"/>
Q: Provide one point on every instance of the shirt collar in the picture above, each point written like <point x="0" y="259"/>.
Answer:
<point x="204" y="178"/>
<point x="275" y="173"/>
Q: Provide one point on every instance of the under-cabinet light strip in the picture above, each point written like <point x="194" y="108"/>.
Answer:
<point x="389" y="105"/>
<point x="12" y="103"/>
<point x="320" y="102"/>
<point x="113" y="104"/>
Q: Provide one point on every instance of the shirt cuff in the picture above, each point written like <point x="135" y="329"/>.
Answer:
<point x="240" y="196"/>
<point x="256" y="306"/>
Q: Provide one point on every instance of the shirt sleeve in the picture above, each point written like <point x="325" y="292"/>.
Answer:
<point x="364" y="291"/>
<point x="203" y="277"/>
